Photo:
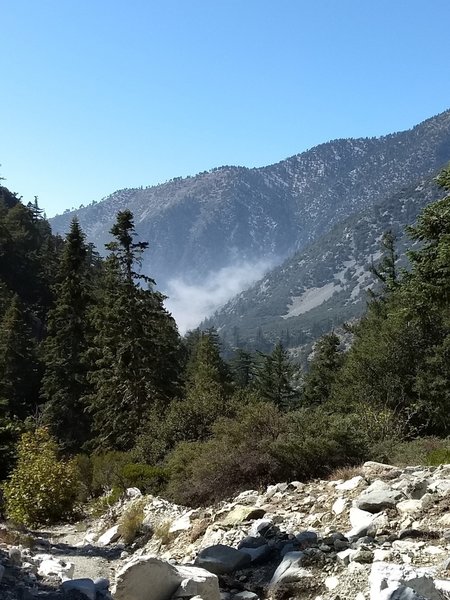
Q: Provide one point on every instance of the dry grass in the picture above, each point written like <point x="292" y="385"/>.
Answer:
<point x="345" y="473"/>
<point x="161" y="531"/>
<point x="131" y="522"/>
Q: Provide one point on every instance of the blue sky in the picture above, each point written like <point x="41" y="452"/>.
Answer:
<point x="99" y="95"/>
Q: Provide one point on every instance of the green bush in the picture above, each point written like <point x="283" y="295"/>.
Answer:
<point x="439" y="456"/>
<point x="150" y="480"/>
<point x="107" y="471"/>
<point x="42" y="488"/>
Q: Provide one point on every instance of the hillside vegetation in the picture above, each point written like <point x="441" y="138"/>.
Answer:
<point x="92" y="369"/>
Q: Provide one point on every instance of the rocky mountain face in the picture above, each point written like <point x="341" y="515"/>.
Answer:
<point x="229" y="215"/>
<point x="377" y="533"/>
<point x="326" y="283"/>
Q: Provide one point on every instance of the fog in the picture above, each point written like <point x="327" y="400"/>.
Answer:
<point x="190" y="304"/>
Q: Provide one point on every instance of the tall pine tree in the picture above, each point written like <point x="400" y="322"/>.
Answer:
<point x="64" y="351"/>
<point x="136" y="344"/>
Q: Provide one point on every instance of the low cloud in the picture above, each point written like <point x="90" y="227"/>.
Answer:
<point x="190" y="304"/>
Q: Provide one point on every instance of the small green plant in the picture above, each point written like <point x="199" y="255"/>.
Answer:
<point x="440" y="456"/>
<point x="100" y="506"/>
<point x="42" y="488"/>
<point x="131" y="522"/>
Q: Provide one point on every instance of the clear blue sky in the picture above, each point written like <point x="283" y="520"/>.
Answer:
<point x="99" y="95"/>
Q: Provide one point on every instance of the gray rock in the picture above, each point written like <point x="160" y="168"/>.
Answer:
<point x="15" y="556"/>
<point x="84" y="586"/>
<point x="379" y="496"/>
<point x="252" y="542"/>
<point x="2" y="571"/>
<point x="221" y="559"/>
<point x="197" y="582"/>
<point x="306" y="538"/>
<point x="146" y="578"/>
<point x="258" y="555"/>
<point x="246" y="595"/>
<point x="403" y="593"/>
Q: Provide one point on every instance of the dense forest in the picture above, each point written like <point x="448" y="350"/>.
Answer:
<point x="98" y="389"/>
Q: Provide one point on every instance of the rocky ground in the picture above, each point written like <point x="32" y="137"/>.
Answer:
<point x="379" y="533"/>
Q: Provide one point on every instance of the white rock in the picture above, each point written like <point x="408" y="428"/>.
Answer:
<point x="133" y="492"/>
<point x="409" y="506"/>
<point x="331" y="583"/>
<point x="111" y="535"/>
<point x="350" y="484"/>
<point x="360" y="520"/>
<point x="182" y="523"/>
<point x="339" y="506"/>
<point x="390" y="576"/>
<point x="51" y="567"/>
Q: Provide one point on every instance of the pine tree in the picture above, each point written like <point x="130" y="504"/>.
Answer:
<point x="323" y="370"/>
<point x="275" y="378"/>
<point x="64" y="350"/>
<point x="19" y="368"/>
<point x="136" y="345"/>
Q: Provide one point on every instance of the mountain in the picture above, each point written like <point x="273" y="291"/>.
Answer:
<point x="231" y="215"/>
<point x="326" y="283"/>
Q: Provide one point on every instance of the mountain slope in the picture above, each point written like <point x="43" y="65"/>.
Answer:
<point x="199" y="224"/>
<point x="325" y="284"/>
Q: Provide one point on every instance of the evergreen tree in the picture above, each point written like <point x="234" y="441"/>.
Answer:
<point x="275" y="378"/>
<point x="64" y="351"/>
<point x="243" y="368"/>
<point x="19" y="369"/>
<point x="136" y="345"/>
<point x="322" y="372"/>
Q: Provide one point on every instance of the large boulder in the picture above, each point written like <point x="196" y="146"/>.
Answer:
<point x="378" y="497"/>
<point x="85" y="586"/>
<point x="151" y="578"/>
<point x="241" y="512"/>
<point x="221" y="559"/>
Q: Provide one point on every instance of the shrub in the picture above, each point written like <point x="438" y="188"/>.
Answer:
<point x="131" y="522"/>
<point x="42" y="488"/>
<point x="107" y="471"/>
<point x="149" y="480"/>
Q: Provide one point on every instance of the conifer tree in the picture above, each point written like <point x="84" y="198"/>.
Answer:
<point x="275" y="378"/>
<point x="323" y="369"/>
<point x="136" y="344"/>
<point x="64" y="350"/>
<point x="19" y="369"/>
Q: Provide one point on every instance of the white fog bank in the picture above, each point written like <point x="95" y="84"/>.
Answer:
<point x="191" y="303"/>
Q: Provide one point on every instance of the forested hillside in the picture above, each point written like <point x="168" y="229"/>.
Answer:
<point x="104" y="394"/>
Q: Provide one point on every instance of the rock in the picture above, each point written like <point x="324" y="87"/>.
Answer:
<point x="372" y="469"/>
<point x="378" y="496"/>
<point x="401" y="593"/>
<point x="243" y="513"/>
<point x="260" y="526"/>
<point x="221" y="559"/>
<point x="52" y="567"/>
<point x="441" y="487"/>
<point x="339" y="506"/>
<point x="345" y="556"/>
<point x="15" y="556"/>
<point x="252" y="542"/>
<point x="409" y="507"/>
<point x="146" y="578"/>
<point x="350" y="484"/>
<point x="246" y="595"/>
<point x="331" y="583"/>
<point x="84" y="586"/>
<point x="306" y="538"/>
<point x="197" y="582"/>
<point x="362" y="556"/>
<point x="183" y="523"/>
<point x="133" y="492"/>
<point x="290" y="569"/>
<point x="2" y="572"/>
<point x="360" y="520"/>
<point x="111" y="535"/>
<point x="389" y="576"/>
<point x="258" y="555"/>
